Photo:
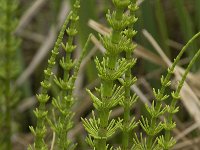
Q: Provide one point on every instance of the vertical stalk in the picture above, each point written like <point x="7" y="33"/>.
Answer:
<point x="64" y="101"/>
<point x="127" y="104"/>
<point x="128" y="76"/>
<point x="107" y="86"/>
<point x="66" y="94"/>
<point x="172" y="110"/>
<point x="8" y="79"/>
<point x="160" y="96"/>
<point x="109" y="70"/>
<point x="41" y="112"/>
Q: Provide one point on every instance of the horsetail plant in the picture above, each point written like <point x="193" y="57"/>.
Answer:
<point x="109" y="70"/>
<point x="64" y="103"/>
<point x="65" y="99"/>
<point x="153" y="126"/>
<point x="166" y="141"/>
<point x="9" y="70"/>
<point x="41" y="112"/>
<point x="128" y="101"/>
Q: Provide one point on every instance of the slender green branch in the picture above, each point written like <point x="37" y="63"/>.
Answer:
<point x="167" y="141"/>
<point x="7" y="72"/>
<point x="107" y="85"/>
<point x="43" y="97"/>
<point x="128" y="123"/>
<point x="65" y="99"/>
<point x="109" y="70"/>
<point x="153" y="126"/>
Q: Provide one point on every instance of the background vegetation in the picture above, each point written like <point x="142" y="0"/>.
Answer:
<point x="171" y="23"/>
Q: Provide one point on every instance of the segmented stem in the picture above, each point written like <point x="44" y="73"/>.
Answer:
<point x="128" y="77"/>
<point x="43" y="97"/>
<point x="107" y="85"/>
<point x="161" y="93"/>
<point x="172" y="107"/>
<point x="7" y="72"/>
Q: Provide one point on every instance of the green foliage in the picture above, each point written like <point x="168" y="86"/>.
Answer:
<point x="129" y="123"/>
<point x="9" y="45"/>
<point x="43" y="97"/>
<point x="166" y="141"/>
<point x="109" y="70"/>
<point x="116" y="79"/>
<point x="153" y="126"/>
<point x="64" y="100"/>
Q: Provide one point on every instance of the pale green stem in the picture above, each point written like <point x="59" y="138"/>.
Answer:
<point x="174" y="100"/>
<point x="107" y="89"/>
<point x="8" y="78"/>
<point x="167" y="78"/>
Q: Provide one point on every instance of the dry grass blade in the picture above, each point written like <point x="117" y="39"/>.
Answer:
<point x="140" y="51"/>
<point x="29" y="14"/>
<point x="139" y="2"/>
<point x="182" y="145"/>
<point x="36" y="37"/>
<point x="99" y="27"/>
<point x="194" y="80"/>
<point x="39" y="56"/>
<point x="98" y="44"/>
<point x="187" y="131"/>
<point x="43" y="50"/>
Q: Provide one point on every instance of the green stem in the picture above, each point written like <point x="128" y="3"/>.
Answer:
<point x="8" y="78"/>
<point x="125" y="136"/>
<point x="65" y="120"/>
<point x="166" y="80"/>
<point x="107" y="87"/>
<point x="104" y="115"/>
<point x="127" y="107"/>
<point x="151" y="137"/>
<point x="169" y="118"/>
<point x="39" y="139"/>
<point x="128" y="77"/>
<point x="43" y="97"/>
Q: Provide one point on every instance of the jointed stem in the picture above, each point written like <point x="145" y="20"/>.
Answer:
<point x="128" y="76"/>
<point x="8" y="51"/>
<point x="107" y="86"/>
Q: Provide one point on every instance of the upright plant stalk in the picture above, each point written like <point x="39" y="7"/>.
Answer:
<point x="41" y="112"/>
<point x="8" y="50"/>
<point x="153" y="126"/>
<point x="109" y="70"/>
<point x="8" y="79"/>
<point x="166" y="141"/>
<point x="128" y="123"/>
<point x="64" y="101"/>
